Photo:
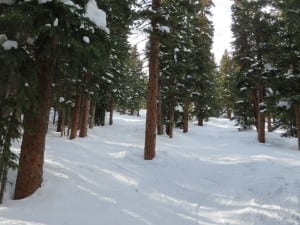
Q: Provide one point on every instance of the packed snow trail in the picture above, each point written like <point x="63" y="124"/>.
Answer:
<point x="213" y="175"/>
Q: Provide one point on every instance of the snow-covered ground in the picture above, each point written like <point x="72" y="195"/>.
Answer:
<point x="211" y="176"/>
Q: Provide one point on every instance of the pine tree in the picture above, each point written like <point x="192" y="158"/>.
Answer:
<point x="151" y="118"/>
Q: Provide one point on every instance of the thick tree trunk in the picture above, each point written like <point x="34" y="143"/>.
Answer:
<point x="151" y="118"/>
<point x="85" y="116"/>
<point x="30" y="173"/>
<point x="298" y="124"/>
<point x="185" y="118"/>
<point x="261" y="116"/>
<point x="92" y="121"/>
<point x="75" y="117"/>
<point x="111" y="110"/>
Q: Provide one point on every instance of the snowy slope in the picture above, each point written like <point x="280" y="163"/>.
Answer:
<point x="211" y="176"/>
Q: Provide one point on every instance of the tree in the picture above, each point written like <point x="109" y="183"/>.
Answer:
<point x="48" y="47"/>
<point x="151" y="118"/>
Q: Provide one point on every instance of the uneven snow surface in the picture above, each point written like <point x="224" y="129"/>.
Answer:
<point x="211" y="176"/>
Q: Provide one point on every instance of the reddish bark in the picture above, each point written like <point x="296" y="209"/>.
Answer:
<point x="30" y="173"/>
<point x="151" y="118"/>
<point x="85" y="116"/>
<point x="75" y="117"/>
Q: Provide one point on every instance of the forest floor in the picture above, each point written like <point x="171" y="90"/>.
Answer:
<point x="213" y="175"/>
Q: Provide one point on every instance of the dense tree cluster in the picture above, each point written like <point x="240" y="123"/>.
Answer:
<point x="58" y="54"/>
<point x="73" y="58"/>
<point x="261" y="80"/>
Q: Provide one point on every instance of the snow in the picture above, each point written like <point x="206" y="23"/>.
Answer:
<point x="213" y="175"/>
<point x="9" y="44"/>
<point x="165" y="29"/>
<point x="96" y="15"/>
<point x="86" y="39"/>
<point x="61" y="99"/>
<point x="283" y="104"/>
<point x="55" y="23"/>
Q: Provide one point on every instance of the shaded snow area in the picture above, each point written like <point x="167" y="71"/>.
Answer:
<point x="213" y="175"/>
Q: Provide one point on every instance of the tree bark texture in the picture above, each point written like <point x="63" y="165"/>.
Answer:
<point x="85" y="116"/>
<point x="75" y="117"/>
<point x="151" y="117"/>
<point x="30" y="173"/>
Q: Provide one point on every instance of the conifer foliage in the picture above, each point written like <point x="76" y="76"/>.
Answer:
<point x="267" y="60"/>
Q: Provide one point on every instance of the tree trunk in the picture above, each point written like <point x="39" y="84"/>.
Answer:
<point x="93" y="111"/>
<point x="151" y="118"/>
<point x="5" y="151"/>
<point x="228" y="113"/>
<point x="3" y="179"/>
<point x="261" y="116"/>
<point x="111" y="110"/>
<point x="30" y="173"/>
<point x="298" y="124"/>
<point x="171" y="121"/>
<point x="131" y="112"/>
<point x="63" y="122"/>
<point x="75" y="117"/>
<point x="160" y="127"/>
<point x="186" y="115"/>
<point x="54" y="116"/>
<point x="255" y="110"/>
<point x="102" y="116"/>
<point x="200" y="121"/>
<point x="85" y="116"/>
<point x="59" y="122"/>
